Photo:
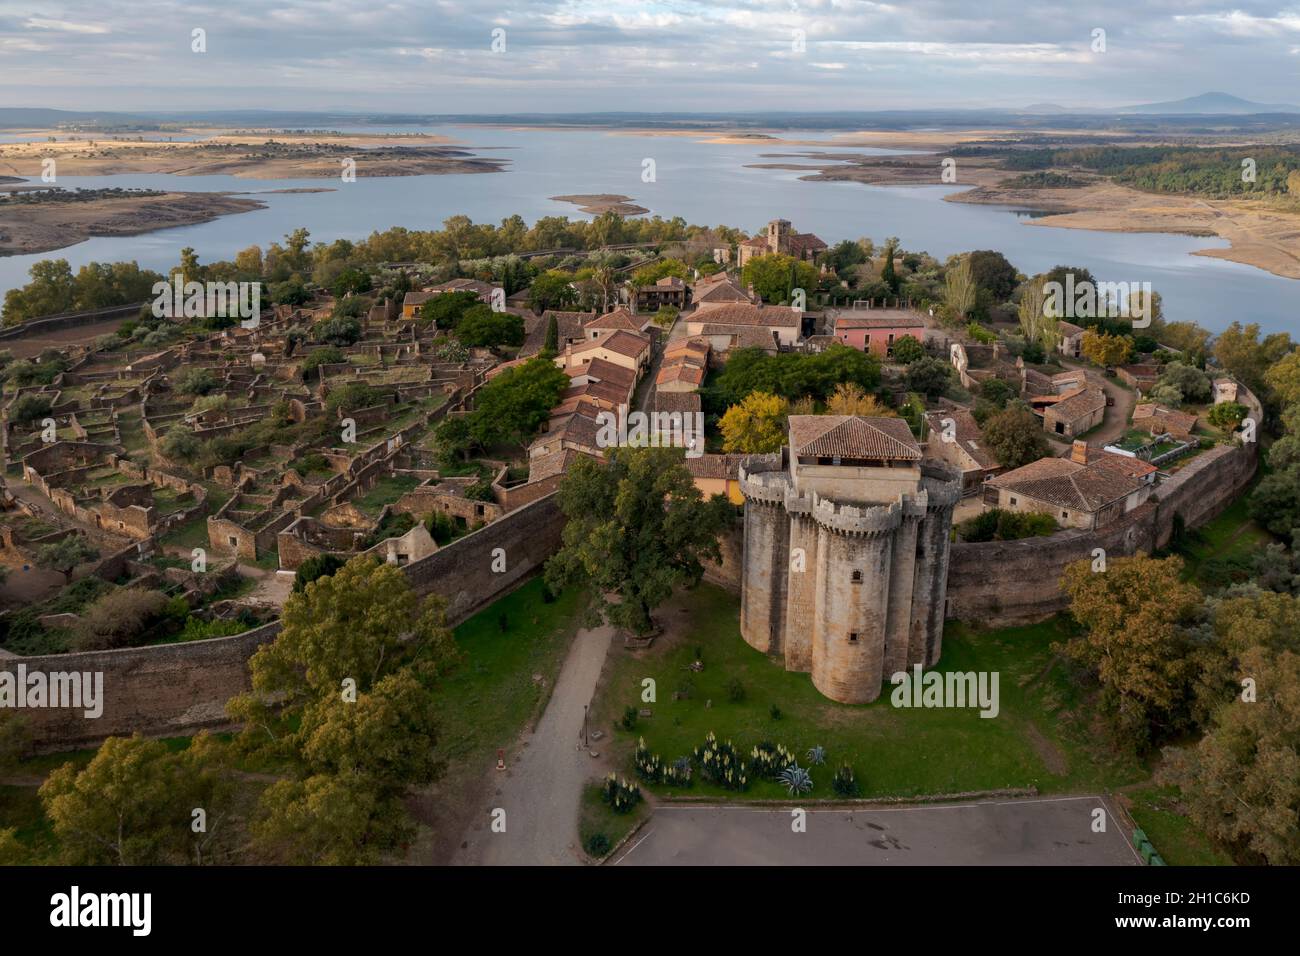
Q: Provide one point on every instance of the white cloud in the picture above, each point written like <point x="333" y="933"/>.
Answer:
<point x="974" y="52"/>
<point x="1238" y="23"/>
<point x="63" y="26"/>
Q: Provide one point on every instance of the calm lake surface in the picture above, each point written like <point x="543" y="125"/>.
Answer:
<point x="703" y="183"/>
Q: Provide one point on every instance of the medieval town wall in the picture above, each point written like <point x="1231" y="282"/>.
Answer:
<point x="176" y="689"/>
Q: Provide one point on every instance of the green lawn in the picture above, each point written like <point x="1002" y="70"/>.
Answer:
<point x="486" y="702"/>
<point x="385" y="492"/>
<point x="595" y="817"/>
<point x="1042" y="736"/>
<point x="192" y="534"/>
<point x="1221" y="550"/>
<point x="1175" y="839"/>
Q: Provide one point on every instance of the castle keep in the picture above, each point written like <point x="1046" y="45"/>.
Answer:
<point x="846" y="552"/>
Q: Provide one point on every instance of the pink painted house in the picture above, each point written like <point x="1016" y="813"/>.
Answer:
<point x="876" y="330"/>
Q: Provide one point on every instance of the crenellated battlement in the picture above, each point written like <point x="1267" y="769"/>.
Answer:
<point x="942" y="484"/>
<point x="857" y="519"/>
<point x="763" y="478"/>
<point x="866" y="595"/>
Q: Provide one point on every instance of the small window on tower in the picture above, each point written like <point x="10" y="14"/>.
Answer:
<point x="853" y="637"/>
<point x="857" y="577"/>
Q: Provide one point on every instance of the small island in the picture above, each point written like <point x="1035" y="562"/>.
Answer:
<point x="596" y="203"/>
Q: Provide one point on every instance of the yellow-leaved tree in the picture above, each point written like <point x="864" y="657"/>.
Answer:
<point x="756" y="425"/>
<point x="1104" y="349"/>
<point x="849" y="399"/>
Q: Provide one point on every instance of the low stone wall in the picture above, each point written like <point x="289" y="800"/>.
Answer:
<point x="176" y="689"/>
<point x="70" y="320"/>
<point x="1009" y="582"/>
<point x="163" y="690"/>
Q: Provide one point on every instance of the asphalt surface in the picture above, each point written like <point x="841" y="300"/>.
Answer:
<point x="1046" y="831"/>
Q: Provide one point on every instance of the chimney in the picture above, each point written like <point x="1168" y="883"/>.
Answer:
<point x="1079" y="452"/>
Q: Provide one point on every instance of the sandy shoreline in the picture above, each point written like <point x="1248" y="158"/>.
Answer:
<point x="1260" y="235"/>
<point x="250" y="157"/>
<point x="43" y="227"/>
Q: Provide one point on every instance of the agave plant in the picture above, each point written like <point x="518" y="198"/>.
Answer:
<point x="845" y="783"/>
<point x="796" y="779"/>
<point x="816" y="756"/>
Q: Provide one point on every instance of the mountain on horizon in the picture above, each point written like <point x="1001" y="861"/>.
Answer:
<point x="1215" y="102"/>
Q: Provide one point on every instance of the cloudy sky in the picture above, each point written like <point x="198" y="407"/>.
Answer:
<point x="436" y="56"/>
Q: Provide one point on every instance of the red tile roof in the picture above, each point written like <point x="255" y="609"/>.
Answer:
<point x="745" y="313"/>
<point x="1068" y="484"/>
<point x="631" y="344"/>
<point x="852" y="436"/>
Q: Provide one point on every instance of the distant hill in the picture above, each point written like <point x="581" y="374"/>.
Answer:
<point x="13" y="117"/>
<point x="1216" y="103"/>
<point x="1056" y="109"/>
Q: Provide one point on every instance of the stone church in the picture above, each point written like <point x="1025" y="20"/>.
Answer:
<point x="780" y="238"/>
<point x="846" y="552"/>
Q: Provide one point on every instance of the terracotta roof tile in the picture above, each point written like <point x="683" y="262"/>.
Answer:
<point x="966" y="433"/>
<point x="618" y="319"/>
<point x="677" y="402"/>
<point x="748" y="314"/>
<point x="1068" y="484"/>
<point x="715" y="466"/>
<point x="852" y="436"/>
<point x="1078" y="402"/>
<point x="631" y="344"/>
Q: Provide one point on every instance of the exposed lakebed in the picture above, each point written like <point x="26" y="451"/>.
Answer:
<point x="702" y="182"/>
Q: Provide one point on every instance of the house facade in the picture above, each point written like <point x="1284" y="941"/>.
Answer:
<point x="1075" y="412"/>
<point x="1087" y="490"/>
<point x="955" y="437"/>
<point x="876" y="330"/>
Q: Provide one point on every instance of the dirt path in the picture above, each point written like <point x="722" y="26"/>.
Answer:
<point x="541" y="790"/>
<point x="1115" y="422"/>
<point x="272" y="586"/>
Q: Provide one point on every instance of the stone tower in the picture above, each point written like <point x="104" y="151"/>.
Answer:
<point x="778" y="235"/>
<point x="846" y="552"/>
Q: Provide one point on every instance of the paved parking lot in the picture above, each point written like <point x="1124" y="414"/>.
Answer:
<point x="1045" y="831"/>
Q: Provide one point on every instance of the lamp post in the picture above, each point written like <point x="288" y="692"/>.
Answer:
<point x="584" y="724"/>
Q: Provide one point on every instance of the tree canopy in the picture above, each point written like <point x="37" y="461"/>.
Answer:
<point x="775" y="276"/>
<point x="637" y="528"/>
<point x="756" y="425"/>
<point x="792" y="375"/>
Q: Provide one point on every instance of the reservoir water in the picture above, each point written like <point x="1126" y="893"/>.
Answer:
<point x="704" y="183"/>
